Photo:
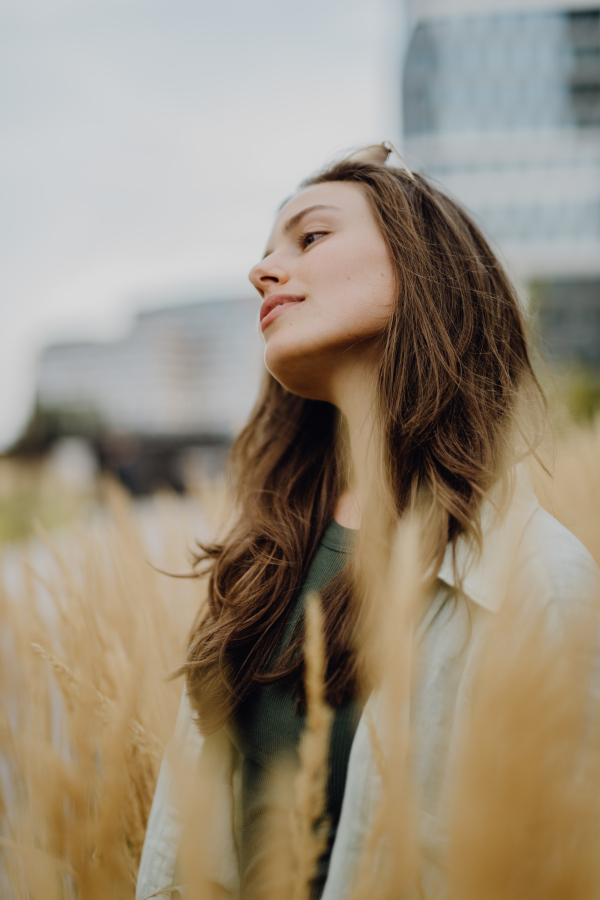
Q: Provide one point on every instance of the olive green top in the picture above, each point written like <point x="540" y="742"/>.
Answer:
<point x="267" y="728"/>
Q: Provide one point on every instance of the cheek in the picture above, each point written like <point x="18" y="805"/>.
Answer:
<point x="361" y="289"/>
<point x="351" y="295"/>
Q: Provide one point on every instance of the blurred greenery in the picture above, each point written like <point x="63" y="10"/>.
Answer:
<point x="572" y="382"/>
<point x="30" y="492"/>
<point x="581" y="393"/>
<point x="46" y="425"/>
<point x="20" y="511"/>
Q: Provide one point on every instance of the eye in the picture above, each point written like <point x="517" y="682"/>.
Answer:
<point x="308" y="238"/>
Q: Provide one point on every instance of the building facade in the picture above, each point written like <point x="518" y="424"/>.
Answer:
<point x="190" y="369"/>
<point x="172" y="392"/>
<point x="501" y="104"/>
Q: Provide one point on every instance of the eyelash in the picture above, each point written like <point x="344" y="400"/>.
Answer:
<point x="302" y="238"/>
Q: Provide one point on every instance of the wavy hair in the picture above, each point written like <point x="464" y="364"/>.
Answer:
<point x="452" y="364"/>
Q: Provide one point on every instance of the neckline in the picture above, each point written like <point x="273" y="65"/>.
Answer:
<point x="338" y="537"/>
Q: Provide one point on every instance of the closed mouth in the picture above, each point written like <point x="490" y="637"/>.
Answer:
<point x="270" y="304"/>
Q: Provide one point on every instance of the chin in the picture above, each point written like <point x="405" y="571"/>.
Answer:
<point x="299" y="370"/>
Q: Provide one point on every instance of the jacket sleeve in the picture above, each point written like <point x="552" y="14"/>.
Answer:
<point x="159" y="854"/>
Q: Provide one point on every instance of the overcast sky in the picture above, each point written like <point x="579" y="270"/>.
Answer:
<point x="145" y="144"/>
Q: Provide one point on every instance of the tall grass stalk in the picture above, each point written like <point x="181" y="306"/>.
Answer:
<point x="294" y="835"/>
<point x="309" y="826"/>
<point x="389" y="864"/>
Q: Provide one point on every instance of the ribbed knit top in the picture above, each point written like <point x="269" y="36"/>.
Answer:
<point x="267" y="728"/>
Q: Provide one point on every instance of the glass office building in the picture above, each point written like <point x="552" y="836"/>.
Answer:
<point x="501" y="104"/>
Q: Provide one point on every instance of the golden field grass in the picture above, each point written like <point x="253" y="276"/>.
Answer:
<point x="89" y="633"/>
<point x="90" y="630"/>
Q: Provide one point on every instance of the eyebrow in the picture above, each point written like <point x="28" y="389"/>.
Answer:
<point x="294" y="221"/>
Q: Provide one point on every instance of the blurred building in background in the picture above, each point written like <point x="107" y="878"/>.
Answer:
<point x="501" y="104"/>
<point x="171" y="394"/>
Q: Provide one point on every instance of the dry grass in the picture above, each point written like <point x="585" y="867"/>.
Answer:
<point x="88" y="632"/>
<point x="295" y="828"/>
<point x="383" y="874"/>
<point x="572" y="494"/>
<point x="527" y="812"/>
<point x="309" y="830"/>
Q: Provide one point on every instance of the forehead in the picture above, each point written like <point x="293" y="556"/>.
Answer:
<point x="348" y="197"/>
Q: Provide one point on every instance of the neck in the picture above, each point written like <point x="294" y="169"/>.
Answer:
<point x="354" y="396"/>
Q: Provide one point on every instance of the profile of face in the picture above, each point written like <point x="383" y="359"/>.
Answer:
<point x="328" y="289"/>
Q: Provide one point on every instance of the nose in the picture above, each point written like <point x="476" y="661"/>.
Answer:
<point x="266" y="272"/>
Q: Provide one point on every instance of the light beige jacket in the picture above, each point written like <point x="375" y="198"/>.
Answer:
<point x="526" y="548"/>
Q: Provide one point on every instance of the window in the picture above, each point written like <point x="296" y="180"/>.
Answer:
<point x="502" y="72"/>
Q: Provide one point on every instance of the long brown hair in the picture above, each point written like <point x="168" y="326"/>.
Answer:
<point x="452" y="362"/>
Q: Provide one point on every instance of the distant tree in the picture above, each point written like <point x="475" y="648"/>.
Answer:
<point x="48" y="424"/>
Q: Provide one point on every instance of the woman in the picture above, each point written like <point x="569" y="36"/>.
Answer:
<point x="399" y="377"/>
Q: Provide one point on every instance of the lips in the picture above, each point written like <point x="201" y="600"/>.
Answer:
<point x="274" y="306"/>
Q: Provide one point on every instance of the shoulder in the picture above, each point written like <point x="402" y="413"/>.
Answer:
<point x="567" y="566"/>
<point x="525" y="553"/>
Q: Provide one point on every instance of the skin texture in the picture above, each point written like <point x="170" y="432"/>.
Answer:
<point x="322" y="348"/>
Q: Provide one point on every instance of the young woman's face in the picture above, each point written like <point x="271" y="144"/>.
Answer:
<point x="327" y="285"/>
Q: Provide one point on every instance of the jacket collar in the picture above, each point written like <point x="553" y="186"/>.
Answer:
<point x="485" y="578"/>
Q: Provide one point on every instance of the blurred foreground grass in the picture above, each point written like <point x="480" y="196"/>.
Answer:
<point x="89" y="630"/>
